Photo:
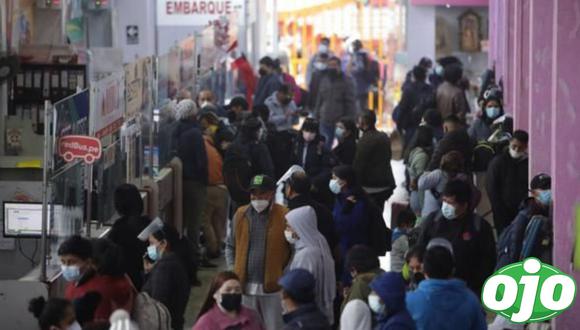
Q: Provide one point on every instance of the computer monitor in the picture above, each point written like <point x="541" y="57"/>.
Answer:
<point x="24" y="219"/>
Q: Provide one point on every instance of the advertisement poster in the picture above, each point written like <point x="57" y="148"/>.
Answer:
<point x="72" y="118"/>
<point x="195" y="13"/>
<point x="138" y="78"/>
<point x="107" y="105"/>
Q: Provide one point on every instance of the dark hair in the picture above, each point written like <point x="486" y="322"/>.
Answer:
<point x="422" y="138"/>
<point x="285" y="88"/>
<point x="181" y="247"/>
<point x="249" y="129"/>
<point x="261" y="111"/>
<point x="414" y="252"/>
<point x="453" y="119"/>
<point x="521" y="136"/>
<point x="325" y="40"/>
<point x="453" y="73"/>
<point x="433" y="118"/>
<point x="210" y="116"/>
<point x="368" y="117"/>
<point x="49" y="313"/>
<point x="168" y="234"/>
<point x="108" y="257"/>
<point x="406" y="217"/>
<point x="346" y="173"/>
<point x="458" y="189"/>
<point x="300" y="183"/>
<point x="311" y="125"/>
<point x="336" y="59"/>
<point x="349" y="125"/>
<point x="438" y="263"/>
<point x="127" y="200"/>
<point x="216" y="284"/>
<point x="425" y="62"/>
<point x="420" y="73"/>
<point x="268" y="61"/>
<point x="76" y="246"/>
<point x="361" y="258"/>
<point x="452" y="163"/>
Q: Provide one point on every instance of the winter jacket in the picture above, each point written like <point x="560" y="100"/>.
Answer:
<point x="453" y="141"/>
<point x="392" y="293"/>
<point x="306" y="316"/>
<point x="445" y="304"/>
<point x="325" y="221"/>
<point x="168" y="283"/>
<point x="359" y="288"/>
<point x="417" y="164"/>
<point x="473" y="245"/>
<point x="215" y="319"/>
<point x="124" y="233"/>
<point x="351" y="221"/>
<point x="400" y="320"/>
<point x="400" y="246"/>
<point x="267" y="85"/>
<point x="413" y="95"/>
<point x="318" y="162"/>
<point x="429" y="182"/>
<point x="507" y="187"/>
<point x="372" y="162"/>
<point x="190" y="148"/>
<point x="480" y="130"/>
<point x="345" y="151"/>
<point x="335" y="99"/>
<point x="451" y="101"/>
<point x="278" y="113"/>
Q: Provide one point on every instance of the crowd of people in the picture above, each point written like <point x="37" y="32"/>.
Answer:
<point x="310" y="260"/>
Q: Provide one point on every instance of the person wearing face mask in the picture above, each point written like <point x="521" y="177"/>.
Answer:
<point x="311" y="252"/>
<point x="283" y="110"/>
<point x="316" y="64"/>
<point x="54" y="314"/>
<point x="206" y="101"/>
<point x="413" y="268"/>
<point x="335" y="99"/>
<point x="492" y="109"/>
<point x="363" y="266"/>
<point x="257" y="251"/>
<point x="310" y="152"/>
<point x="223" y="307"/>
<point x="168" y="281"/>
<point x="387" y="302"/>
<point x="299" y="302"/>
<point x="471" y="236"/>
<point x="450" y="96"/>
<point x="442" y="302"/>
<point x="346" y="134"/>
<point x="269" y="81"/>
<point x="507" y="181"/>
<point x="79" y="270"/>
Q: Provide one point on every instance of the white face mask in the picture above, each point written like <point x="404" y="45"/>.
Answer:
<point x="74" y="326"/>
<point x="308" y="136"/>
<point x="320" y="66"/>
<point x="204" y="104"/>
<point x="375" y="305"/>
<point x="516" y="155"/>
<point x="290" y="237"/>
<point x="322" y="48"/>
<point x="260" y="205"/>
<point x="335" y="186"/>
<point x="449" y="211"/>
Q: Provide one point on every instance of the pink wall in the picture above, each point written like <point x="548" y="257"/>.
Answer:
<point x="450" y="2"/>
<point x="536" y="54"/>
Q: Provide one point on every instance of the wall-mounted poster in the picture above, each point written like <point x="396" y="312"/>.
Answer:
<point x="470" y="32"/>
<point x="107" y="105"/>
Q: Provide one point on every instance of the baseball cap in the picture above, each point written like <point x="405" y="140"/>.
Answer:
<point x="299" y="284"/>
<point x="238" y="101"/>
<point x="541" y="181"/>
<point x="262" y="182"/>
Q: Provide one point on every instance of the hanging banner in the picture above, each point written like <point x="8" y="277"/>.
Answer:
<point x="137" y="84"/>
<point x="195" y="13"/>
<point x="107" y="105"/>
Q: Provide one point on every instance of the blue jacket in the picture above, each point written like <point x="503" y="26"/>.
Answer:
<point x="390" y="287"/>
<point x="306" y="317"/>
<point x="400" y="320"/>
<point x="350" y="221"/>
<point x="267" y="85"/>
<point x="445" y="304"/>
<point x="190" y="148"/>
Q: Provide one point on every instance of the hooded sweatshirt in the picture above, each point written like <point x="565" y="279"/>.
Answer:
<point x="311" y="252"/>
<point x="445" y="304"/>
<point x="390" y="287"/>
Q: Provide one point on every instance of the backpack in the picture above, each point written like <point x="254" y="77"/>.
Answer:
<point x="475" y="192"/>
<point x="483" y="154"/>
<point x="149" y="313"/>
<point x="237" y="171"/>
<point x="538" y="239"/>
<point x="380" y="236"/>
<point x="427" y="101"/>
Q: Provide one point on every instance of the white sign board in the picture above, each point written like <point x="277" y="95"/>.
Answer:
<point x="107" y="105"/>
<point x="196" y="13"/>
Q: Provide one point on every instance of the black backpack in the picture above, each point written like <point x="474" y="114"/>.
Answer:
<point x="483" y="154"/>
<point x="238" y="172"/>
<point x="538" y="239"/>
<point x="380" y="235"/>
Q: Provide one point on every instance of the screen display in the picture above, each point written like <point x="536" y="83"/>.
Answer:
<point x="25" y="219"/>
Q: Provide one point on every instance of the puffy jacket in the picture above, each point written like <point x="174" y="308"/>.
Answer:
<point x="453" y="141"/>
<point x="372" y="162"/>
<point x="445" y="304"/>
<point x="306" y="316"/>
<point x="335" y="99"/>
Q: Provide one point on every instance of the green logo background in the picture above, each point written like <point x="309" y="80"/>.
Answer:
<point x="516" y="271"/>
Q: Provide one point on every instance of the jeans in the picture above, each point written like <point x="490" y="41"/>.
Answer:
<point x="327" y="130"/>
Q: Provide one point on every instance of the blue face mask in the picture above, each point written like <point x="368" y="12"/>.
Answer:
<point x="71" y="273"/>
<point x="152" y="252"/>
<point x="339" y="132"/>
<point x="334" y="186"/>
<point x="545" y="197"/>
<point x="492" y="112"/>
<point x="448" y="211"/>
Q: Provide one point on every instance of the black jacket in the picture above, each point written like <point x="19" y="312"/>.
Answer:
<point x="412" y="96"/>
<point x="168" y="283"/>
<point x="372" y="162"/>
<point x="507" y="187"/>
<point x="124" y="233"/>
<point x="453" y="141"/>
<point x="318" y="163"/>
<point x="267" y="85"/>
<point x="345" y="151"/>
<point x="306" y="317"/>
<point x="324" y="218"/>
<point x="473" y="245"/>
<point x="190" y="148"/>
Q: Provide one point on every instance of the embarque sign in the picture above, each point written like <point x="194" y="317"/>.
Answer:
<point x="195" y="13"/>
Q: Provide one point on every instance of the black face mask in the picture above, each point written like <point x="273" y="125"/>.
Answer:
<point x="262" y="72"/>
<point x="417" y="278"/>
<point x="231" y="302"/>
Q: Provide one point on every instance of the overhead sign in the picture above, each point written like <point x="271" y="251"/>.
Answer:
<point x="107" y="105"/>
<point x="195" y="13"/>
<point x="73" y="147"/>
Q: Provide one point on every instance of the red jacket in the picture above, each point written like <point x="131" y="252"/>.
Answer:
<point x="116" y="293"/>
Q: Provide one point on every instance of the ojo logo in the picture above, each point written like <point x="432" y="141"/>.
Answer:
<point x="528" y="291"/>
